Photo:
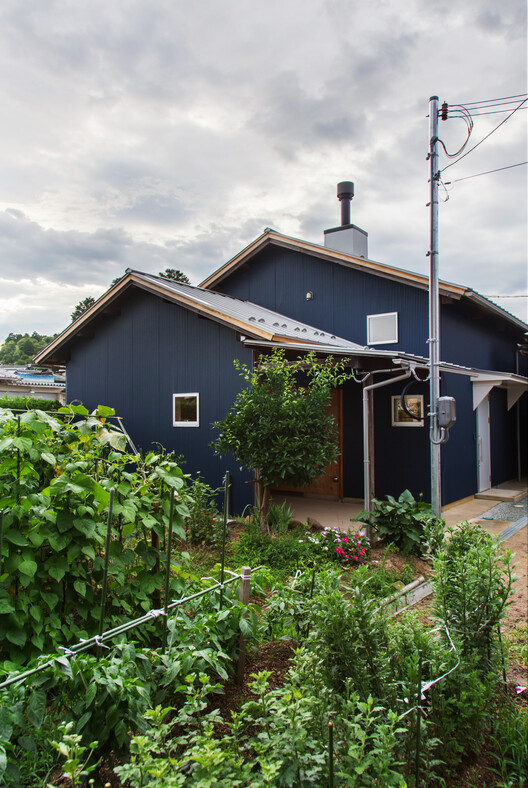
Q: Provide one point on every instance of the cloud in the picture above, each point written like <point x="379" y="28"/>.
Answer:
<point x="168" y="135"/>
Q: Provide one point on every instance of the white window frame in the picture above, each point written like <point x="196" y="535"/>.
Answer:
<point x="382" y="341"/>
<point x="395" y="410"/>
<point x="176" y="423"/>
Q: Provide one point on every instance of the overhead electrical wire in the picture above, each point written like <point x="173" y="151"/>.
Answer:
<point x="488" y="172"/>
<point x="495" y="100"/>
<point x="487" y="135"/>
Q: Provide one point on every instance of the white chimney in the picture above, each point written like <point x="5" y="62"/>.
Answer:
<point x="347" y="238"/>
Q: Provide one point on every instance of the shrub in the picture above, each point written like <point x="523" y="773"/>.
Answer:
<point x="29" y="403"/>
<point x="472" y="584"/>
<point x="404" y="522"/>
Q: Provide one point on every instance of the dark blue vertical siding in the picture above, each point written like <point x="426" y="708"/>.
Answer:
<point x="503" y="437"/>
<point x="459" y="454"/>
<point x="279" y="279"/>
<point x="476" y="339"/>
<point x="401" y="453"/>
<point x="137" y="360"/>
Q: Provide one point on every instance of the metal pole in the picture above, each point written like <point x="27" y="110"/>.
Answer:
<point x="418" y="721"/>
<point x="434" y="317"/>
<point x="331" y="755"/>
<point x="224" y="529"/>
<point x="1" y="538"/>
<point x="243" y="595"/>
<point x="167" y="572"/>
<point x="106" y="562"/>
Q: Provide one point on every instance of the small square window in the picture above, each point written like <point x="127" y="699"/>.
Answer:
<point x="414" y="405"/>
<point x="382" y="329"/>
<point x="186" y="410"/>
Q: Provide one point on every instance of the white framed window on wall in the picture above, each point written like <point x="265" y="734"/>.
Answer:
<point x="382" y="329"/>
<point x="414" y="404"/>
<point x="186" y="409"/>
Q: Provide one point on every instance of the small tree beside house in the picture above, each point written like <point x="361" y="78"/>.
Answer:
<point x="279" y="425"/>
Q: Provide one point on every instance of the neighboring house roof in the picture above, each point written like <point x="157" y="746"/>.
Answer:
<point x="271" y="237"/>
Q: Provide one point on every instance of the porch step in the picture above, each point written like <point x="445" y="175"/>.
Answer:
<point x="500" y="494"/>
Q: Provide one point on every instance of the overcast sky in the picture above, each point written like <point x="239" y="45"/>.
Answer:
<point x="156" y="133"/>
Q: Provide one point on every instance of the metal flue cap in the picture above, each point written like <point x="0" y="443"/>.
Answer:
<point x="345" y="190"/>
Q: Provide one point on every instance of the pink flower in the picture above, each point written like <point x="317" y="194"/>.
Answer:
<point x="355" y="558"/>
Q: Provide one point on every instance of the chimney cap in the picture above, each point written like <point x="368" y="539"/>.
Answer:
<point x="345" y="190"/>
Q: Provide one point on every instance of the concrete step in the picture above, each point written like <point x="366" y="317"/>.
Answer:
<point x="500" y="494"/>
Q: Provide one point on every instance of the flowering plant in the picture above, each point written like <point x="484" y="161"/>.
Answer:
<point x="347" y="548"/>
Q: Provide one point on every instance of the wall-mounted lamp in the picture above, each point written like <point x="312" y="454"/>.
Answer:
<point x="309" y="296"/>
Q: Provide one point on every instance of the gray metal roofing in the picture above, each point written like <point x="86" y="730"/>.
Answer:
<point x="252" y="314"/>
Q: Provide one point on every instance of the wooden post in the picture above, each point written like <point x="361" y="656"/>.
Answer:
<point x="243" y="595"/>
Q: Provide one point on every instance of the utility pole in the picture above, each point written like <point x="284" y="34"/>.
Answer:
<point x="434" y="317"/>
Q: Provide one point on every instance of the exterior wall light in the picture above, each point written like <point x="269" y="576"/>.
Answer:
<point x="309" y="296"/>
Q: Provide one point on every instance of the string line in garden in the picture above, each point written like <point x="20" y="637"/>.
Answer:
<point x="99" y="640"/>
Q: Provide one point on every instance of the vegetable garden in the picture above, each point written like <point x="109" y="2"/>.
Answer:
<point x="115" y="650"/>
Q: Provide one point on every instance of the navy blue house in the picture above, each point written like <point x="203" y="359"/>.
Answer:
<point x="161" y="353"/>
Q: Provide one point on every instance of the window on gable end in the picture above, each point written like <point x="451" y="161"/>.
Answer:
<point x="382" y="329"/>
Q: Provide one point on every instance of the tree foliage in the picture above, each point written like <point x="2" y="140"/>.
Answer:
<point x="19" y="349"/>
<point x="175" y="275"/>
<point x="279" y="425"/>
<point x="82" y="307"/>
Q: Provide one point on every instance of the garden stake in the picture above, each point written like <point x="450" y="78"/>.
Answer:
<point x="501" y="651"/>
<point x="1" y="537"/>
<point x="107" y="560"/>
<point x="418" y="719"/>
<point x="167" y="573"/>
<point x="331" y="754"/>
<point x="311" y="597"/>
<point x="224" y="529"/>
<point x="18" y="466"/>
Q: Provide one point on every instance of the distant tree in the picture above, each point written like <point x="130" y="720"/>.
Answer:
<point x="279" y="425"/>
<point x="82" y="307"/>
<point x="175" y="276"/>
<point x="19" y="349"/>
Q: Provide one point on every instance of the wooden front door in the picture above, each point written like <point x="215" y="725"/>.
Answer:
<point x="330" y="482"/>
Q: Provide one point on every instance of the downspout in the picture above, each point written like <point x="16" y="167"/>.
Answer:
<point x="366" y="425"/>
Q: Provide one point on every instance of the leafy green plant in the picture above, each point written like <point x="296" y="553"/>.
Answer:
<point x="55" y="480"/>
<point x="472" y="585"/>
<point x="205" y="523"/>
<point x="510" y="740"/>
<point x="279" y="518"/>
<point x="70" y="747"/>
<point x="403" y="522"/>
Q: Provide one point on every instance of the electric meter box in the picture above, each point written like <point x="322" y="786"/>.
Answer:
<point x="446" y="411"/>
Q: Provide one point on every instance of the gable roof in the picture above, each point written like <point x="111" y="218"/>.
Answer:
<point x="245" y="317"/>
<point x="272" y="238"/>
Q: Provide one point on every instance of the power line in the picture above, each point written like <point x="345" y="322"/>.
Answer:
<point x="488" y="135"/>
<point x="488" y="101"/>
<point x="488" y="172"/>
<point x="497" y="112"/>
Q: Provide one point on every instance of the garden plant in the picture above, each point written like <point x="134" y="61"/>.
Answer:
<point x="370" y="699"/>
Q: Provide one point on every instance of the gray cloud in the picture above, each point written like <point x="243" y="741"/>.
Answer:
<point x="163" y="135"/>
